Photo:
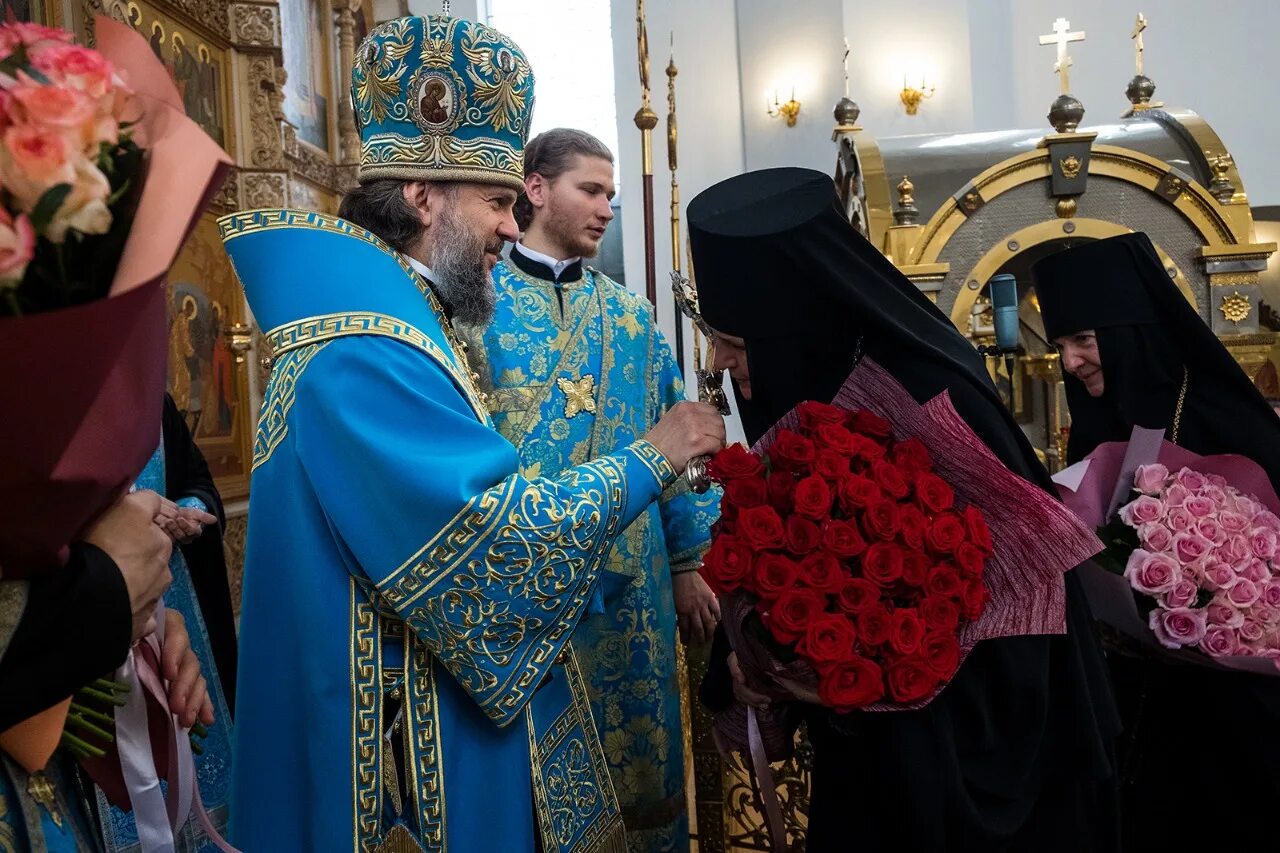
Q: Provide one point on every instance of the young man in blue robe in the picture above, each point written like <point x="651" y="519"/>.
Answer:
<point x="406" y="681"/>
<point x="576" y="367"/>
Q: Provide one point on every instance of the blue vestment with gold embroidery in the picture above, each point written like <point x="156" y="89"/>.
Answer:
<point x="406" y="680"/>
<point x="577" y="369"/>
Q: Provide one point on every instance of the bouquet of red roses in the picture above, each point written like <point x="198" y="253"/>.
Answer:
<point x="866" y="546"/>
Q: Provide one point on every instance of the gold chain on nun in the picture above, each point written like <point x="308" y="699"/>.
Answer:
<point x="1182" y="398"/>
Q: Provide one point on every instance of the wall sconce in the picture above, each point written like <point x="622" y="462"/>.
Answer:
<point x="911" y="96"/>
<point x="788" y="111"/>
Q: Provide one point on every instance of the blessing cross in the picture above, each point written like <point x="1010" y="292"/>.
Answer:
<point x="1136" y="35"/>
<point x="1061" y="37"/>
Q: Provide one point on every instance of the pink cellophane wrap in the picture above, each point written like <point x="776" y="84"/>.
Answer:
<point x="1037" y="540"/>
<point x="1094" y="489"/>
<point x="82" y="388"/>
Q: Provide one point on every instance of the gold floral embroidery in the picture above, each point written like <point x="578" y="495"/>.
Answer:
<point x="579" y="395"/>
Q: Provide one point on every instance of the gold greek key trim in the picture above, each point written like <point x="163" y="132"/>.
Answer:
<point x="366" y="713"/>
<point x="652" y="458"/>
<point x="326" y="327"/>
<point x="422" y="718"/>
<point x="245" y="222"/>
<point x="273" y="423"/>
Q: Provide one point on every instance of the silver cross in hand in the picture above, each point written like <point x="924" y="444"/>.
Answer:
<point x="710" y="381"/>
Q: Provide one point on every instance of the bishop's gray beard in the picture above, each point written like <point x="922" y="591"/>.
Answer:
<point x="462" y="276"/>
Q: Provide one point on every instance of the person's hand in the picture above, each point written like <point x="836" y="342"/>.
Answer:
<point x="127" y="532"/>
<point x="741" y="691"/>
<point x="188" y="692"/>
<point x="688" y="430"/>
<point x="183" y="523"/>
<point x="697" y="609"/>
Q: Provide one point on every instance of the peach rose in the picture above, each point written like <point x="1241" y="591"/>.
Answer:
<point x="32" y="160"/>
<point x="17" y="245"/>
<point x="85" y="208"/>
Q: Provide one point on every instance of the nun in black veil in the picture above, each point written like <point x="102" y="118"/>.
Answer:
<point x="1136" y="353"/>
<point x="1015" y="753"/>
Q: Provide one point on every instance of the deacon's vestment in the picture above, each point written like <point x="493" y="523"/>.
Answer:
<point x="406" y="680"/>
<point x="576" y="368"/>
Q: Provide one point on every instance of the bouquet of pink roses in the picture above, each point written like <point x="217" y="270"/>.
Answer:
<point x="1192" y="563"/>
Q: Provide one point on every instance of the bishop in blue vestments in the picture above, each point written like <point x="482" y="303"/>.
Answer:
<point x="406" y="678"/>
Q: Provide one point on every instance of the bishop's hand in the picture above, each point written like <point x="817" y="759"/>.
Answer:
<point x="686" y="431"/>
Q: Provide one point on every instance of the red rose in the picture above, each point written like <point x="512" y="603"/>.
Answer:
<point x="970" y="560"/>
<point x="813" y="414"/>
<point x="774" y="575"/>
<point x="828" y="640"/>
<point x="933" y="494"/>
<point x="945" y="533"/>
<point x="832" y="465"/>
<point x="789" y="617"/>
<point x="791" y="450"/>
<point x="822" y="572"/>
<point x="726" y="563"/>
<point x="813" y="498"/>
<point x="914" y="525"/>
<point x="915" y="568"/>
<point x="867" y="423"/>
<point x="912" y="456"/>
<point x="733" y="463"/>
<point x="910" y="680"/>
<point x="761" y="527"/>
<point x="746" y="492"/>
<point x="889" y="479"/>
<point x="836" y="438"/>
<point x="867" y="448"/>
<point x="782" y="489"/>
<point x="881" y="519"/>
<point x="944" y="581"/>
<point x="976" y="597"/>
<point x="874" y="624"/>
<point x="856" y="492"/>
<point x="857" y="595"/>
<point x="940" y="613"/>
<point x="842" y="539"/>
<point x="851" y="685"/>
<point x="802" y="535"/>
<point x="907" y="632"/>
<point x="941" y="653"/>
<point x="979" y="533"/>
<point x="882" y="564"/>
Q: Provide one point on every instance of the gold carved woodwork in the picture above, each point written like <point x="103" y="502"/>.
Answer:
<point x="255" y="25"/>
<point x="1070" y="166"/>
<point x="1235" y="307"/>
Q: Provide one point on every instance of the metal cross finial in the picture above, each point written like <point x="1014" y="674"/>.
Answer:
<point x="1136" y="35"/>
<point x="846" y="68"/>
<point x="1061" y="37"/>
<point x="710" y="381"/>
<point x="446" y="8"/>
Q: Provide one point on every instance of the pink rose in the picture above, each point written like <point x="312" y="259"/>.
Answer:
<point x="1218" y="641"/>
<point x="1243" y="593"/>
<point x="1251" y="631"/>
<point x="1221" y="612"/>
<point x="1179" y="520"/>
<point x="58" y="108"/>
<point x="80" y="67"/>
<point x="1245" y="505"/>
<point x="1213" y="493"/>
<point x="1211" y="529"/>
<point x="1151" y="573"/>
<point x="1155" y="537"/>
<point x="17" y="245"/>
<point x="1262" y="541"/>
<point x="1256" y="571"/>
<point x="1183" y="594"/>
<point x="1216" y="480"/>
<point x="1218" y="574"/>
<point x="1199" y="506"/>
<point x="1176" y="495"/>
<point x="32" y="160"/>
<point x="1233" y="522"/>
<point x="1177" y="628"/>
<point x="1264" y="614"/>
<point x="1271" y="593"/>
<point x="1192" y="481"/>
<point x="1235" y="551"/>
<point x="1149" y="479"/>
<point x="1144" y="510"/>
<point x="1266" y="518"/>
<point x="1190" y="547"/>
<point x="1243" y="650"/>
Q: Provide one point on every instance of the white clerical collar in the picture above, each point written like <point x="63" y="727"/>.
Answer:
<point x="423" y="269"/>
<point x="556" y="267"/>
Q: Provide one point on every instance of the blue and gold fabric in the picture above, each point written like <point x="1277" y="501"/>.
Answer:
<point x="441" y="99"/>
<point x="407" y="681"/>
<point x="577" y="369"/>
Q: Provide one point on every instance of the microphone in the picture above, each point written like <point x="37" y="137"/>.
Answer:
<point x="1004" y="310"/>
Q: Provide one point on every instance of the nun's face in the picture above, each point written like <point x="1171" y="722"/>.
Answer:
<point x="731" y="355"/>
<point x="1080" y="358"/>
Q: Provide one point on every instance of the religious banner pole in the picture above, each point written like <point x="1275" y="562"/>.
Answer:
<point x="646" y="120"/>
<point x="672" y="71"/>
